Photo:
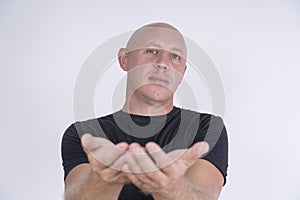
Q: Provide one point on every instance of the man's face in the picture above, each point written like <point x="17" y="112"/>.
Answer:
<point x="156" y="62"/>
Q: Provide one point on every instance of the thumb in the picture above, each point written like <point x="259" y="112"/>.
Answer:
<point x="90" y="143"/>
<point x="201" y="148"/>
<point x="196" y="151"/>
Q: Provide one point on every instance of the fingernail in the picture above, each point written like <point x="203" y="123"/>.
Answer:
<point x="87" y="142"/>
<point x="203" y="148"/>
<point x="122" y="147"/>
<point x="152" y="147"/>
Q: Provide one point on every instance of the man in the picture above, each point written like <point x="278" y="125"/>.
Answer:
<point x="150" y="149"/>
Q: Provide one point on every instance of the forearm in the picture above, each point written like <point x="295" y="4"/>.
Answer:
<point x="92" y="187"/>
<point x="184" y="190"/>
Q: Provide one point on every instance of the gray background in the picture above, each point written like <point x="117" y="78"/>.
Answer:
<point x="254" y="44"/>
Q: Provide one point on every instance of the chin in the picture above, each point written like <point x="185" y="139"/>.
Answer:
<point x="157" y="93"/>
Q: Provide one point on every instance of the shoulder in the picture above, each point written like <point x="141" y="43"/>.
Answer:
<point x="205" y="118"/>
<point x="92" y="126"/>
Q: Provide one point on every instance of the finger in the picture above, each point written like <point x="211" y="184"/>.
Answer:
<point x="123" y="146"/>
<point x="187" y="159"/>
<point x="132" y="176"/>
<point x="91" y="143"/>
<point x="170" y="167"/>
<point x="176" y="154"/>
<point x="120" y="178"/>
<point x="111" y="175"/>
<point x="131" y="161"/>
<point x="134" y="144"/>
<point x="143" y="159"/>
<point x="135" y="172"/>
<point x="159" y="156"/>
<point x="102" y="149"/>
<point x="118" y="164"/>
<point x="176" y="162"/>
<point x="140" y="179"/>
<point x="150" y="176"/>
<point x="195" y="152"/>
<point x="146" y="183"/>
<point x="120" y="161"/>
<point x="189" y="155"/>
<point x="88" y="143"/>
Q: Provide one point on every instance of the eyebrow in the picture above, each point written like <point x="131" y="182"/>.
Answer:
<point x="158" y="46"/>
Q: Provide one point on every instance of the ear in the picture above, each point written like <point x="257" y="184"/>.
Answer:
<point x="122" y="57"/>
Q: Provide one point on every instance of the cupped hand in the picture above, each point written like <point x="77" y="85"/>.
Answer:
<point x="152" y="170"/>
<point x="105" y="158"/>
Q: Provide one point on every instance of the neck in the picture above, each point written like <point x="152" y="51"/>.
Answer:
<point x="139" y="106"/>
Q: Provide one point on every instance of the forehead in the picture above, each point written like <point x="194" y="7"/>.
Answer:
<point x="163" y="38"/>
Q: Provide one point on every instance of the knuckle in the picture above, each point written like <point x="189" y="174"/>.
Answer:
<point x="174" y="176"/>
<point x="106" y="177"/>
<point x="163" y="184"/>
<point x="95" y="170"/>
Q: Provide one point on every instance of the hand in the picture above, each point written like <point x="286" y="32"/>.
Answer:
<point x="105" y="158"/>
<point x="160" y="171"/>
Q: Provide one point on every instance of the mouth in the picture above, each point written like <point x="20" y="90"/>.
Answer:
<point x="158" y="80"/>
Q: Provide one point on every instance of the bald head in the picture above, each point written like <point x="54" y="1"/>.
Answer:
<point x="160" y="34"/>
<point x="161" y="25"/>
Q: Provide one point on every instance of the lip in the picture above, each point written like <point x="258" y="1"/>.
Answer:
<point x="158" y="80"/>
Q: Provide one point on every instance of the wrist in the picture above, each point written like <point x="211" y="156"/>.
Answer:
<point x="177" y="190"/>
<point x="95" y="188"/>
<point x="102" y="185"/>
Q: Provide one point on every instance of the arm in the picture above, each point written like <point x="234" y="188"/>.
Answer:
<point x="100" y="179"/>
<point x="82" y="183"/>
<point x="202" y="181"/>
<point x="179" y="175"/>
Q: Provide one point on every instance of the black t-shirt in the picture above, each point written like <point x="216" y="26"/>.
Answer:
<point x="178" y="129"/>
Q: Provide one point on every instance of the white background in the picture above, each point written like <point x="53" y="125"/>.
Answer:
<point x="254" y="44"/>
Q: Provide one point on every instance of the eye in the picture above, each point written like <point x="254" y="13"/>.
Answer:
<point x="175" y="56"/>
<point x="152" y="51"/>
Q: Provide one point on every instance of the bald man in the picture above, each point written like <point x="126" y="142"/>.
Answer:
<point x="149" y="149"/>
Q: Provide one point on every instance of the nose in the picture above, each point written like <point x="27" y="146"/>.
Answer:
<point x="161" y="66"/>
<point x="163" y="61"/>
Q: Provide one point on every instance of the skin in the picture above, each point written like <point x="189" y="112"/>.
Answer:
<point x="154" y="51"/>
<point x="154" y="59"/>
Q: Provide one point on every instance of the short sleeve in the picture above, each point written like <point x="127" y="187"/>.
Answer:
<point x="71" y="150"/>
<point x="216" y="136"/>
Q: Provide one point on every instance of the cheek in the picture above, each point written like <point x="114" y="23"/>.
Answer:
<point x="180" y="68"/>
<point x="177" y="73"/>
<point x="137" y="75"/>
<point x="136" y="60"/>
